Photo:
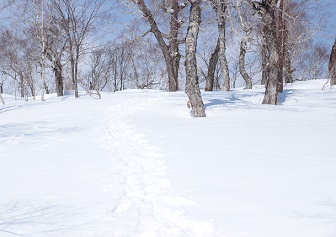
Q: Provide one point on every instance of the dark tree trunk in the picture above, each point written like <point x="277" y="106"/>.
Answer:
<point x="121" y="78"/>
<point x="222" y="47"/>
<point x="74" y="51"/>
<point x="246" y="77"/>
<point x="58" y="78"/>
<point x="22" y="87"/>
<point x="74" y="79"/>
<point x="57" y="69"/>
<point x="281" y="45"/>
<point x="2" y="100"/>
<point x="115" y="81"/>
<point x="332" y="65"/>
<point x="264" y="65"/>
<point x="220" y="8"/>
<point x="286" y="50"/>
<point x="288" y="68"/>
<point x="46" y="88"/>
<point x="76" y="71"/>
<point x="217" y="85"/>
<point x="192" y="85"/>
<point x="32" y="90"/>
<point x="170" y="52"/>
<point x="174" y="45"/>
<point x="270" y="35"/>
<point x="287" y="57"/>
<point x="172" y="72"/>
<point x="1" y="88"/>
<point x="73" y="69"/>
<point x="210" y="78"/>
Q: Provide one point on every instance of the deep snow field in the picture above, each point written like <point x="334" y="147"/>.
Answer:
<point x="135" y="163"/>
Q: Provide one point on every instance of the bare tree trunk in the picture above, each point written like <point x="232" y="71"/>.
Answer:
<point x="121" y="81"/>
<point x="174" y="44"/>
<point x="58" y="77"/>
<point x="22" y="87"/>
<point x="77" y="20"/>
<point x="74" y="70"/>
<point x="2" y="100"/>
<point x="288" y="68"/>
<point x="41" y="37"/>
<point x="242" y="70"/>
<point x="247" y="28"/>
<point x="270" y="36"/>
<point x="15" y="96"/>
<point x="210" y="78"/>
<point x="32" y="90"/>
<point x="287" y="57"/>
<point x="264" y="65"/>
<point x="192" y="85"/>
<point x="1" y="92"/>
<point x="43" y="51"/>
<point x="115" y="80"/>
<point x="332" y="65"/>
<point x="55" y="58"/>
<point x="171" y="71"/>
<point x="57" y="69"/>
<point x="76" y="80"/>
<point x="217" y="85"/>
<point x="73" y="77"/>
<point x="170" y="52"/>
<point x="220" y="8"/>
<point x="46" y="88"/>
<point x="281" y="45"/>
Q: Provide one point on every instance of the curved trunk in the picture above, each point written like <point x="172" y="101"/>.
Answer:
<point x="212" y="69"/>
<point x="246" y="77"/>
<point x="170" y="53"/>
<point x="192" y="85"/>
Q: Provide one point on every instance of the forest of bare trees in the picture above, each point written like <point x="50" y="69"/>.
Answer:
<point x="68" y="46"/>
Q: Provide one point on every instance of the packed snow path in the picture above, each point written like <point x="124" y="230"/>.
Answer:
<point x="136" y="164"/>
<point x="148" y="207"/>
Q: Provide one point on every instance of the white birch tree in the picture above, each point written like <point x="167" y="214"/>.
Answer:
<point x="192" y="84"/>
<point x="220" y="7"/>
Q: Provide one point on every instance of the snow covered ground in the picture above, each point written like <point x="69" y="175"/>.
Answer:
<point x="136" y="164"/>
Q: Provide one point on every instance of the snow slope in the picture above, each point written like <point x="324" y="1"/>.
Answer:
<point x="136" y="164"/>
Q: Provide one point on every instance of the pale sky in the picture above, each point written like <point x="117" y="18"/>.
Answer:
<point x="330" y="33"/>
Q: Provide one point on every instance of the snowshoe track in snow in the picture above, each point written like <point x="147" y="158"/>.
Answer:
<point x="148" y="207"/>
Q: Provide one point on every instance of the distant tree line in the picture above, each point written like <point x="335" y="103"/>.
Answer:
<point x="61" y="46"/>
